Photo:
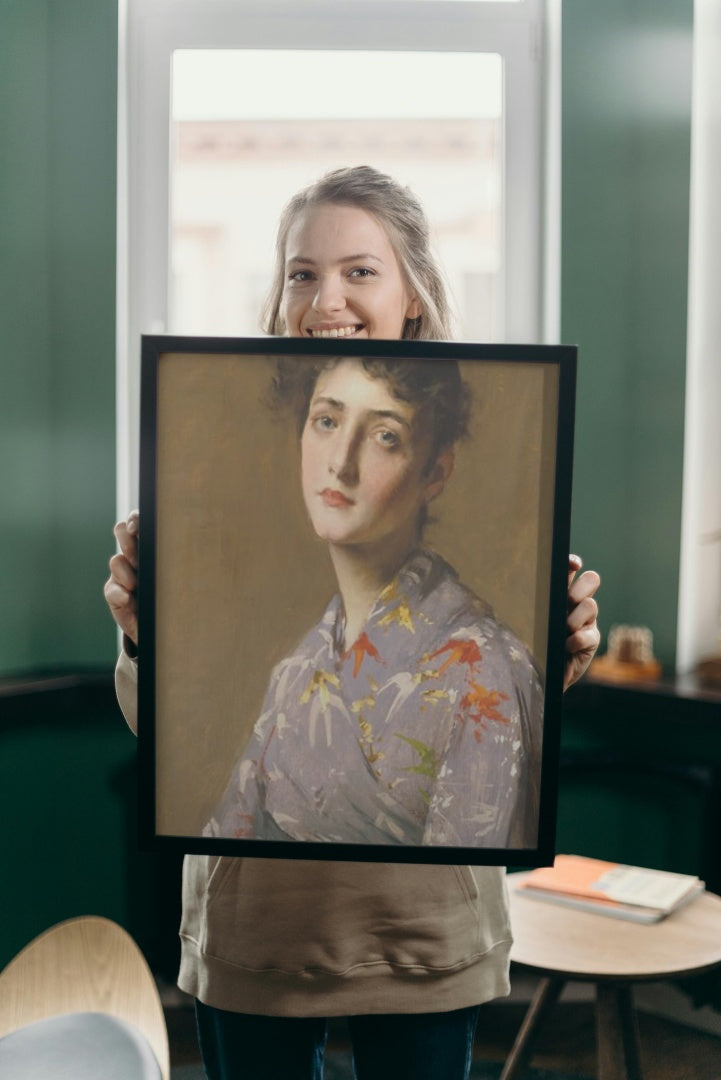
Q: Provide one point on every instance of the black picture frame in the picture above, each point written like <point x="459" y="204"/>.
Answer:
<point x="222" y="560"/>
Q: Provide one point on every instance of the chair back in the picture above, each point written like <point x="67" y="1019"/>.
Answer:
<point x="87" y="964"/>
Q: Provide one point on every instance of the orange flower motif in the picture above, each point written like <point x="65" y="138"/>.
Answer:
<point x="461" y="652"/>
<point x="362" y="646"/>
<point x="482" y="705"/>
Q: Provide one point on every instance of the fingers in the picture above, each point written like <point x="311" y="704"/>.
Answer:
<point x="121" y="587"/>
<point x="583" y="613"/>
<point x="575" y="562"/>
<point x="584" y="586"/>
<point x="126" y="534"/>
<point x="584" y="641"/>
<point x="582" y="634"/>
<point x="123" y="607"/>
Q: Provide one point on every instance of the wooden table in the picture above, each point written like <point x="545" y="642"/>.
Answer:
<point x="563" y="944"/>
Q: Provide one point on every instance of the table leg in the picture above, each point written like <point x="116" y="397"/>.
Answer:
<point x="617" y="1033"/>
<point x="545" y="997"/>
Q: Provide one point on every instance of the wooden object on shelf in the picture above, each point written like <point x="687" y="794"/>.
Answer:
<point x="709" y="671"/>
<point x="629" y="657"/>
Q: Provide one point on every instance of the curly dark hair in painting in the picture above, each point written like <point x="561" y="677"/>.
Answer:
<point x="433" y="386"/>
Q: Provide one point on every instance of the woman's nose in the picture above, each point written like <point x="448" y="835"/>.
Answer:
<point x="329" y="296"/>
<point x="343" y="461"/>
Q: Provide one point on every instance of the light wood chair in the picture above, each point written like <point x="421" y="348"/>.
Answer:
<point x="84" y="965"/>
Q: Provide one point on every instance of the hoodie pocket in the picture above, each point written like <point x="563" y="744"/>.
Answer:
<point x="293" y="916"/>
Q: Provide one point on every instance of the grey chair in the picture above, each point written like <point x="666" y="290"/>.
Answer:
<point x="80" y="1002"/>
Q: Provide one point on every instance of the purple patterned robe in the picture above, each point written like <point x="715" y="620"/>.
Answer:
<point x="427" y="730"/>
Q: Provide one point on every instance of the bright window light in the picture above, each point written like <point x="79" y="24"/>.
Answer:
<point x="238" y="155"/>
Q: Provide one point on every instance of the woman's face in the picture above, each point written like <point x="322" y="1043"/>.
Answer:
<point x="365" y="461"/>
<point x="342" y="277"/>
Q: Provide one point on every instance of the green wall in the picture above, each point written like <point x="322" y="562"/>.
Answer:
<point x="626" y="137"/>
<point x="626" y="145"/>
<point x="58" y="72"/>
<point x="67" y="761"/>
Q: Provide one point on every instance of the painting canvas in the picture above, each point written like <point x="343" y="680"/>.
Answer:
<point x="352" y="597"/>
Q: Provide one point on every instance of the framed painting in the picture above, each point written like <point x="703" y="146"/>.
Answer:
<point x="353" y="571"/>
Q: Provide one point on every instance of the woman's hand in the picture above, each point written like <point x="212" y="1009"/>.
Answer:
<point x="583" y="635"/>
<point x="121" y="587"/>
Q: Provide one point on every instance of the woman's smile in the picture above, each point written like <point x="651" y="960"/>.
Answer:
<point x="334" y="331"/>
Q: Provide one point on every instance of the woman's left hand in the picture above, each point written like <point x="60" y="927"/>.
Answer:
<point x="583" y="635"/>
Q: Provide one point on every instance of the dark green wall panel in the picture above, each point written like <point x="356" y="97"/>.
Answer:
<point x="63" y="788"/>
<point x="25" y="388"/>
<point x="626" y="144"/>
<point x="68" y="803"/>
<point x="58" y="77"/>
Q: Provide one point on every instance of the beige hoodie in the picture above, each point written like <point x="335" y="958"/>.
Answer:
<point x="298" y="938"/>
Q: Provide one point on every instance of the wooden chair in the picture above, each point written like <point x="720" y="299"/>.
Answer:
<point x="90" y="972"/>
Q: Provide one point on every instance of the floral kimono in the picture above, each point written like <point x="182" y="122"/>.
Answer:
<point x="427" y="730"/>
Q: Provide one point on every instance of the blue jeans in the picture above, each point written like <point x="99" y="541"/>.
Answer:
<point x="414" y="1046"/>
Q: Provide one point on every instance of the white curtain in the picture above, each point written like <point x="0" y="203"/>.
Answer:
<point x="700" y="584"/>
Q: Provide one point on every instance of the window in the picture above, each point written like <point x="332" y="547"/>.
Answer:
<point x="235" y="161"/>
<point x="227" y="107"/>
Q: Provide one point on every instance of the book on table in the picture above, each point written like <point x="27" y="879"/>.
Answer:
<point x="609" y="888"/>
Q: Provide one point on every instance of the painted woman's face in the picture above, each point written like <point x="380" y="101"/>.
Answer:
<point x="342" y="277"/>
<point x="365" y="458"/>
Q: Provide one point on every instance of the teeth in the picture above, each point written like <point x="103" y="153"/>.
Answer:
<point x="336" y="332"/>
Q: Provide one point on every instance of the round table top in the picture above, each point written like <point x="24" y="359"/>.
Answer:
<point x="559" y="940"/>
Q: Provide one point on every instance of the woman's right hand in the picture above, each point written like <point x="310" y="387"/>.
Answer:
<point x="121" y="587"/>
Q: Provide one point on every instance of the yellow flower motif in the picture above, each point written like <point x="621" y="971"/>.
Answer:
<point x="319" y="683"/>
<point x="435" y="696"/>
<point x="365" y="727"/>
<point x="362" y="703"/>
<point x="389" y="593"/>
<point x="366" y="731"/>
<point x="401" y="615"/>
<point x="426" y="674"/>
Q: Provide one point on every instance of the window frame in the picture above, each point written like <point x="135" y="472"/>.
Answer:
<point x="526" y="34"/>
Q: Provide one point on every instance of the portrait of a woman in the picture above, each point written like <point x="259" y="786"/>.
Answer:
<point x="408" y="714"/>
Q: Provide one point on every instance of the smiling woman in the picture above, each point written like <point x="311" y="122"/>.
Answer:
<point x="353" y="259"/>
<point x="343" y="277"/>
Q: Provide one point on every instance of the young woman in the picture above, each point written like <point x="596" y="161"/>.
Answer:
<point x="408" y="714"/>
<point x="271" y="948"/>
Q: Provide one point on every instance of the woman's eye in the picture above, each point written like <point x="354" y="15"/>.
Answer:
<point x="388" y="439"/>
<point x="300" y="276"/>
<point x="362" y="272"/>
<point x="323" y="423"/>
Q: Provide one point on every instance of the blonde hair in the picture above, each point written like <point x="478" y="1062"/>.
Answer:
<point x="403" y="217"/>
